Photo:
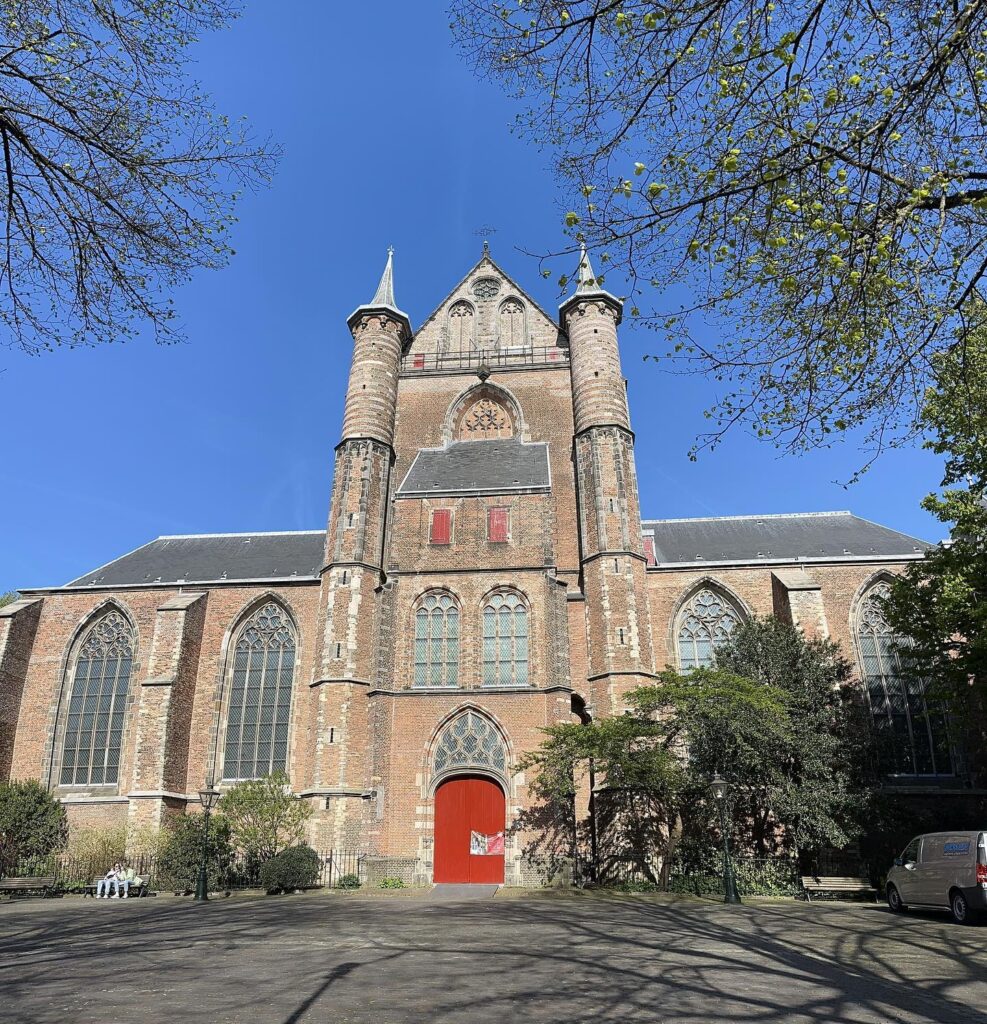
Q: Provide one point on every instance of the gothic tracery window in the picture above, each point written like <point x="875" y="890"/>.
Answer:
<point x="259" y="704"/>
<point x="705" y="621"/>
<point x="510" y="326"/>
<point x="913" y="738"/>
<point x="470" y="741"/>
<point x="97" y="704"/>
<point x="437" y="641"/>
<point x="505" y="641"/>
<point x="461" y="327"/>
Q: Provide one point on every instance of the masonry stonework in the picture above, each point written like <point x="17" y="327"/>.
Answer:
<point x="484" y="556"/>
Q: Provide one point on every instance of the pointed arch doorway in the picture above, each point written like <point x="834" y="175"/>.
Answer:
<point x="470" y="819"/>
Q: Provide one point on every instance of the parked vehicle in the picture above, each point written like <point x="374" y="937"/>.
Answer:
<point x="946" y="870"/>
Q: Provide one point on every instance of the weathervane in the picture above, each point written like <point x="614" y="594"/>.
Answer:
<point x="485" y="232"/>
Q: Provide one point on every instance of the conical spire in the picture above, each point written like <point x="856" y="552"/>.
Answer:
<point x="587" y="283"/>
<point x="384" y="296"/>
<point x="385" y="290"/>
<point x="586" y="278"/>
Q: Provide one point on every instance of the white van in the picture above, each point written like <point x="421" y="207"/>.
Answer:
<point x="942" y="869"/>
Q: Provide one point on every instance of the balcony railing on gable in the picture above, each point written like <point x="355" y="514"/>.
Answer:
<point x="439" y="362"/>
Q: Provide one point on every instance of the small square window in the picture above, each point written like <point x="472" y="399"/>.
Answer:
<point x="498" y="525"/>
<point x="440" y="531"/>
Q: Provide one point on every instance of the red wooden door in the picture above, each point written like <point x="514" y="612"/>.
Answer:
<point x="462" y="806"/>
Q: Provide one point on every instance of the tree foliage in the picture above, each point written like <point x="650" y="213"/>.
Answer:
<point x="181" y="853"/>
<point x="812" y="169"/>
<point x="940" y="602"/>
<point x="33" y="824"/>
<point x="775" y="718"/>
<point x="117" y="178"/>
<point x="265" y="817"/>
<point x="8" y="598"/>
<point x="294" y="868"/>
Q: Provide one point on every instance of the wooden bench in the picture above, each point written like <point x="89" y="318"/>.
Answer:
<point x="30" y="883"/>
<point x="135" y="891"/>
<point x="837" y="885"/>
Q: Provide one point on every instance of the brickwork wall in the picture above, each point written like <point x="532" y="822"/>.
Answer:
<point x="18" y="628"/>
<point x="755" y="590"/>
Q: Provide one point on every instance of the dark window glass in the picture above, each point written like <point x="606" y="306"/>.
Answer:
<point x="259" y="705"/>
<point x="97" y="704"/>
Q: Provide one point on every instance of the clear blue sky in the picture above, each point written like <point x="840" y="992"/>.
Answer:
<point x="388" y="139"/>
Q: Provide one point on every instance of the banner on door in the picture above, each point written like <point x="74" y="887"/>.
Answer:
<point x="483" y="845"/>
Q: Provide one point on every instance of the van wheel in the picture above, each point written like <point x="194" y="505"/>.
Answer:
<point x="962" y="914"/>
<point x="894" y="900"/>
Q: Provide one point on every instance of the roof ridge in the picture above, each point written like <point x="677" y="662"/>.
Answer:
<point x="248" y="533"/>
<point x="765" y="515"/>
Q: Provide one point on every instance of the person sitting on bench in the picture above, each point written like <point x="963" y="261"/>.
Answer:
<point x="128" y="877"/>
<point x="103" y="885"/>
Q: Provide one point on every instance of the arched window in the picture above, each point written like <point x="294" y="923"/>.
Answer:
<point x="97" y="703"/>
<point x="259" y="705"/>
<point x="705" y="621"/>
<point x="461" y="320"/>
<point x="505" y="641"/>
<point x="470" y="741"/>
<point x="510" y="324"/>
<point x="437" y="641"/>
<point x="913" y="737"/>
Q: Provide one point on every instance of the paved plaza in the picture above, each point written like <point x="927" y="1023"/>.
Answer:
<point x="540" y="957"/>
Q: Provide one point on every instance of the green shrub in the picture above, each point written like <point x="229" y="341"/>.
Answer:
<point x="181" y="853"/>
<point x="294" y="868"/>
<point x="32" y="825"/>
<point x="348" y="882"/>
<point x="392" y="883"/>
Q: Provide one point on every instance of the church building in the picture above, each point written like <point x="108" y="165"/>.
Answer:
<point x="486" y="571"/>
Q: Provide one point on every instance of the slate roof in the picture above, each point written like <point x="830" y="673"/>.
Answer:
<point x="806" y="535"/>
<point x="478" y="467"/>
<point x="211" y="557"/>
<point x="238" y="557"/>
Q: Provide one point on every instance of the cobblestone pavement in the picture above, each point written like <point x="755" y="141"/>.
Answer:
<point x="539" y="957"/>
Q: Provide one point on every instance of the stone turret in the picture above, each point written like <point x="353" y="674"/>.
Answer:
<point x="353" y="570"/>
<point x="613" y="564"/>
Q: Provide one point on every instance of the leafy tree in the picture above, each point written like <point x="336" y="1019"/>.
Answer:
<point x="9" y="598"/>
<point x="653" y="764"/>
<point x="181" y="853"/>
<point x="819" y="773"/>
<point x="117" y="178"/>
<point x="265" y="817"/>
<point x="814" y="171"/>
<point x="32" y="824"/>
<point x="940" y="602"/>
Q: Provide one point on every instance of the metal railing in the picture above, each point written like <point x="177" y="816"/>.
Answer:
<point x="73" y="874"/>
<point x="431" y="362"/>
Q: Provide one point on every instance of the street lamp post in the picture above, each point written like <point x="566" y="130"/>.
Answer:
<point x="719" y="786"/>
<point x="209" y="797"/>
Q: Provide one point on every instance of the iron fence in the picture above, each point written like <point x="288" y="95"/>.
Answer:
<point x="337" y="869"/>
<point x="756" y="876"/>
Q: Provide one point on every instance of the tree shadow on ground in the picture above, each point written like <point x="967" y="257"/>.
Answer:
<point x="569" y="957"/>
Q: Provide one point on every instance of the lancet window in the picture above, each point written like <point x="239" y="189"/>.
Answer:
<point x="705" y="621"/>
<point x="437" y="641"/>
<point x="912" y="731"/>
<point x="97" y="703"/>
<point x="505" y="641"/>
<point x="259" y="703"/>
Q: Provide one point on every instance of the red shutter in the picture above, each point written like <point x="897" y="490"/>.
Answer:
<point x="498" y="520"/>
<point x="649" y="550"/>
<point x="419" y="363"/>
<point x="441" y="526"/>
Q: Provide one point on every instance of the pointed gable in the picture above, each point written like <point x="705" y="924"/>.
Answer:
<point x="486" y="311"/>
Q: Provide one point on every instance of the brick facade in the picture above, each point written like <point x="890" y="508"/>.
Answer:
<point x="489" y="367"/>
